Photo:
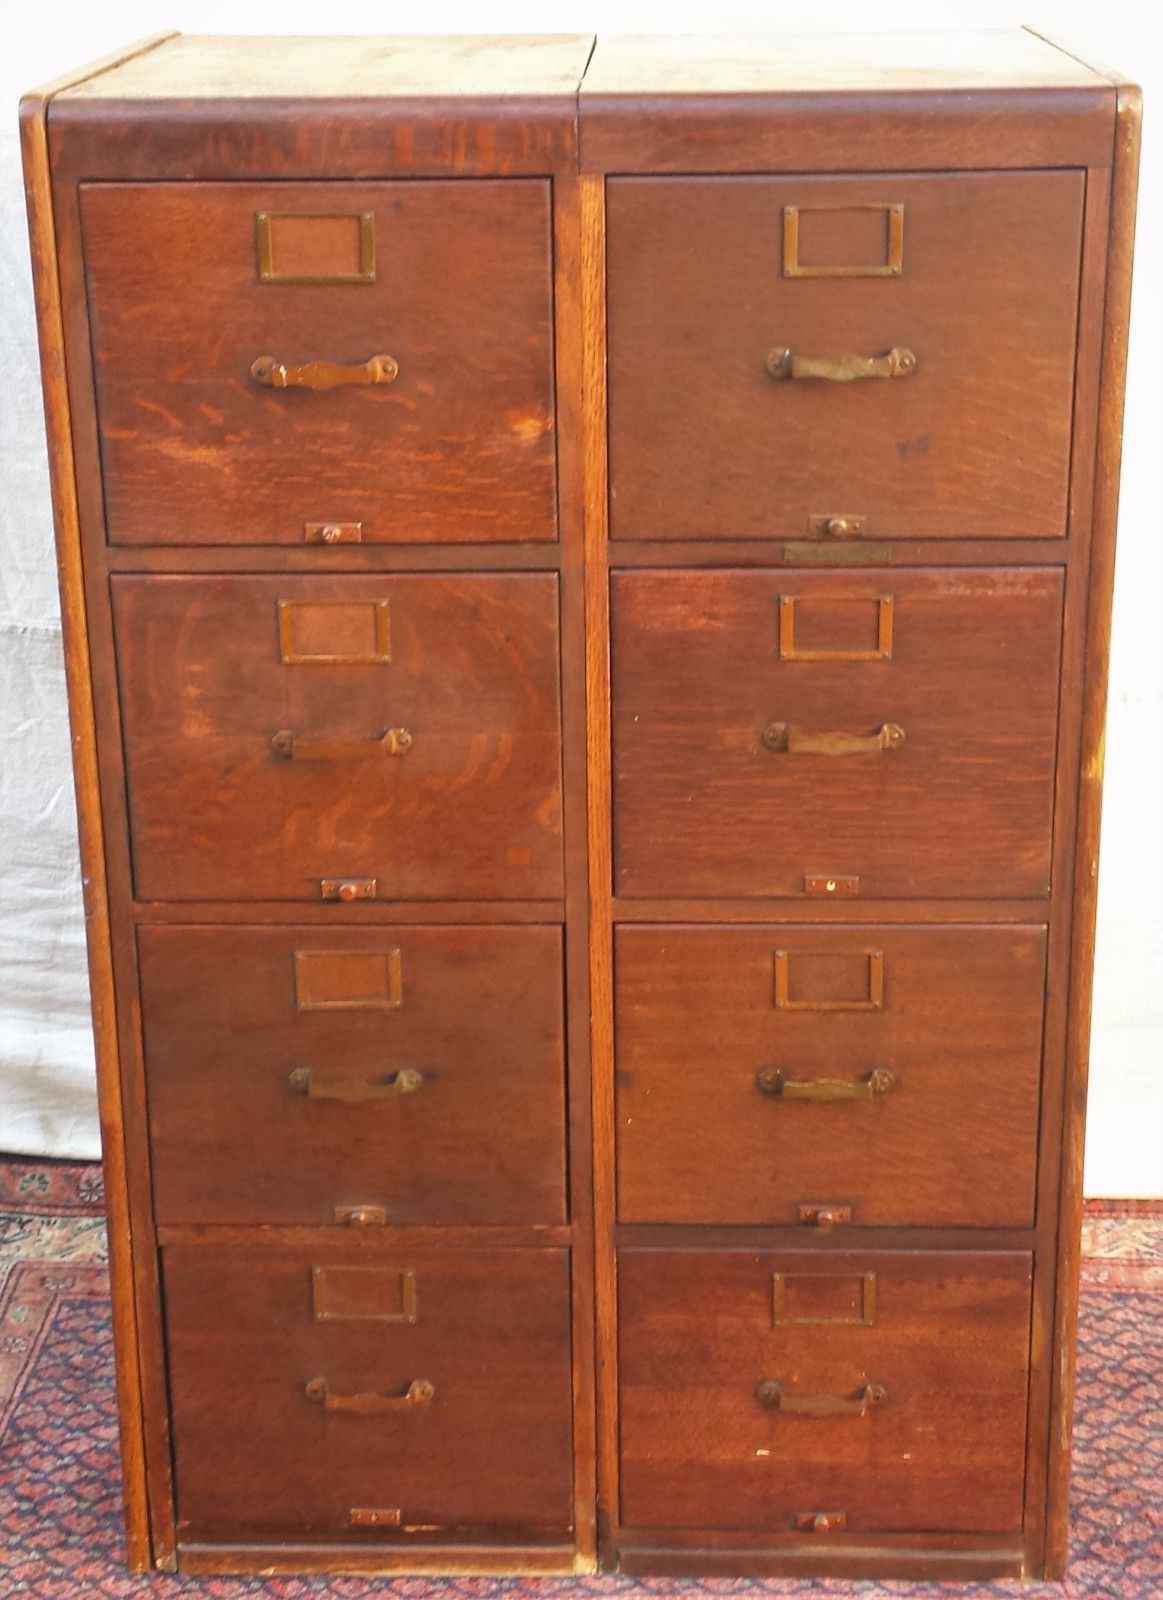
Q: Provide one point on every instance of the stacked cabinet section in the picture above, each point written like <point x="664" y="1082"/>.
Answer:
<point x="344" y="817"/>
<point x="835" y="404"/>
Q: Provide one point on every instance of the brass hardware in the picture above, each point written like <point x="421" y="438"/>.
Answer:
<point x="819" y="1521"/>
<point x="371" y="1517"/>
<point x="895" y="363"/>
<point x="780" y="1317"/>
<point x="824" y="1218"/>
<point x="831" y="885"/>
<point x="832" y="525"/>
<point x="784" y="1001"/>
<point x="347" y="889"/>
<point x="268" y="270"/>
<point x="772" y="1081"/>
<point x="378" y="612"/>
<point x="361" y="1216"/>
<point x="332" y="532"/>
<point x="358" y="1294"/>
<point x="881" y="651"/>
<point x="301" y="1080"/>
<point x="270" y="373"/>
<point x="770" y="1392"/>
<point x="420" y="1392"/>
<point x="803" y="554"/>
<point x="891" y="267"/>
<point x="291" y="746"/>
<point x="349" y="980"/>
<point x="784" y="739"/>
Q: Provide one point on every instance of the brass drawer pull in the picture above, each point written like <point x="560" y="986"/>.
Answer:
<point x="291" y="746"/>
<point x="770" y="1392"/>
<point x="895" y="363"/>
<point x="273" y="374"/>
<point x="784" y="739"/>
<point x="420" y="1392"/>
<point x="877" y="1082"/>
<point x="301" y="1080"/>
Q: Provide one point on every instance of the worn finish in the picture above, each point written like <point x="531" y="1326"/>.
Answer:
<point x="573" y="818"/>
<point x="925" y="789"/>
<point x="457" y="446"/>
<point x="262" y="1454"/>
<point x="476" y="1021"/>
<point x="910" y="1420"/>
<point x="969" y="440"/>
<point x="946" y="1137"/>
<point x="471" y="808"/>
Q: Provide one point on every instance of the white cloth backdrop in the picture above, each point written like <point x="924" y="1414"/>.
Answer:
<point x="47" y="1102"/>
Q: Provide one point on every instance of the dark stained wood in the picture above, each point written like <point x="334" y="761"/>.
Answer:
<point x="258" y="1460"/>
<point x="972" y="444"/>
<point x="951" y="1142"/>
<point x="948" y="1342"/>
<point x="471" y="809"/>
<point x="702" y="807"/>
<point x="458" y="448"/>
<point x="479" y="1018"/>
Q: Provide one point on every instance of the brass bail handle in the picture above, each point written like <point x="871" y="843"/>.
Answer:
<point x="774" y="1082"/>
<point x="898" y="362"/>
<point x="420" y="1392"/>
<point x="302" y="1080"/>
<point x="291" y="746"/>
<point x="770" y="1392"/>
<point x="272" y="373"/>
<point x="784" y="739"/>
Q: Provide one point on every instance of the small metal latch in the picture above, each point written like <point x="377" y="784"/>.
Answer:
<point x="347" y="889"/>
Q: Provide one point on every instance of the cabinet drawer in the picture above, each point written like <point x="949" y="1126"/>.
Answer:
<point x="285" y="733"/>
<point x="763" y="1389"/>
<point x="295" y="1073"/>
<point x="890" y="1071"/>
<point x="193" y="284"/>
<point x="974" y="277"/>
<point x="319" y="1394"/>
<point x="889" y="732"/>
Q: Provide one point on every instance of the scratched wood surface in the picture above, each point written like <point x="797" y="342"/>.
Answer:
<point x="458" y="447"/>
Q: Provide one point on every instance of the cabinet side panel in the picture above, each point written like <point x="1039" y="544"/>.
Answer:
<point x="58" y="427"/>
<point x="1098" y="622"/>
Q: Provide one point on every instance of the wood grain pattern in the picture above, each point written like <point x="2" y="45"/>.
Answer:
<point x="703" y="808"/>
<point x="752" y="659"/>
<point x="471" y="810"/>
<point x="142" y="1540"/>
<point x="491" y="1335"/>
<point x="479" y="1019"/>
<point x="945" y="1450"/>
<point x="973" y="444"/>
<point x="951" y="1143"/>
<point x="459" y="447"/>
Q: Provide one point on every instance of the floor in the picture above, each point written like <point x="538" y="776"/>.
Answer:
<point x="60" y="1532"/>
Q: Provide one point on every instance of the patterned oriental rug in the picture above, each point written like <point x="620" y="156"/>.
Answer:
<point x="60" y="1513"/>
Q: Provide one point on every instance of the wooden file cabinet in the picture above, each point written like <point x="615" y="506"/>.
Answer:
<point x="586" y="576"/>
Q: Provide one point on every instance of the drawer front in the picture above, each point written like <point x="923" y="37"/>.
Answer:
<point x="286" y="733"/>
<point x="297" y="1074"/>
<point x="891" y="1073"/>
<point x="761" y="1390"/>
<point x="364" y="1392"/>
<point x="236" y="331"/>
<point x="973" y="278"/>
<point x="888" y="733"/>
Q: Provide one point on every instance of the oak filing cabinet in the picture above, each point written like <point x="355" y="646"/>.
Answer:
<point x="586" y="575"/>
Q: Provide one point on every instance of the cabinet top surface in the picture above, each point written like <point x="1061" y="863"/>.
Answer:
<point x="541" y="66"/>
<point x="349" y="67"/>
